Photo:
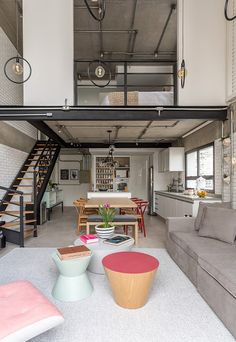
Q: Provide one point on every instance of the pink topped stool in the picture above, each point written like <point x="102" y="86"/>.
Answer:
<point x="25" y="312"/>
<point x="131" y="276"/>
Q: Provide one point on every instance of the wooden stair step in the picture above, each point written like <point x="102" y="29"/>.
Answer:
<point x="28" y="233"/>
<point x="17" y="202"/>
<point x="29" y="165"/>
<point x="46" y="149"/>
<point x="15" y="212"/>
<point x="25" y="194"/>
<point x="21" y="178"/>
<point x="16" y="223"/>
<point x="22" y="186"/>
<point x="28" y="171"/>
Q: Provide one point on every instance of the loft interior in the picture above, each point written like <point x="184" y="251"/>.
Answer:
<point x="117" y="130"/>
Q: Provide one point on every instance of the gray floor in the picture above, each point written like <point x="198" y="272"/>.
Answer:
<point x="61" y="231"/>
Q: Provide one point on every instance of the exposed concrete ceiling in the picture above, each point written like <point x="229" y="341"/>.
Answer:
<point x="122" y="131"/>
<point x="147" y="17"/>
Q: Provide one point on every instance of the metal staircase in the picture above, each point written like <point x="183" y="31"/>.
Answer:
<point x="20" y="206"/>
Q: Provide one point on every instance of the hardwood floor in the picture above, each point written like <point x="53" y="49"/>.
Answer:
<point x="61" y="231"/>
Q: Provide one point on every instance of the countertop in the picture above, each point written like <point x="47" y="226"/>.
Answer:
<point x="187" y="198"/>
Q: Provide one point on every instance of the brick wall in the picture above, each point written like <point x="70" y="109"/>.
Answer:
<point x="11" y="161"/>
<point x="24" y="127"/>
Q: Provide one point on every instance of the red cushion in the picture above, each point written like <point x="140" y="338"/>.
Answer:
<point x="130" y="262"/>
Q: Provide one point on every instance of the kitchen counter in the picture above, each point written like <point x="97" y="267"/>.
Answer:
<point x="187" y="198"/>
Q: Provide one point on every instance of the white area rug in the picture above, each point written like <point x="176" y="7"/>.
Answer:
<point x="175" y="311"/>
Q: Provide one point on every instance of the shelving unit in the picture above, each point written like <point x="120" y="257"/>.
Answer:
<point x="104" y="175"/>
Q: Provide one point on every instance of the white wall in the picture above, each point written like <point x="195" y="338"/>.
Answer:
<point x="48" y="46"/>
<point x="72" y="190"/>
<point x="204" y="52"/>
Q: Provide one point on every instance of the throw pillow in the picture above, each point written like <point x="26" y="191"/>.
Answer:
<point x="202" y="205"/>
<point x="219" y="223"/>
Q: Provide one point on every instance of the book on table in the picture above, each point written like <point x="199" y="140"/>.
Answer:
<point x="117" y="240"/>
<point x="71" y="252"/>
<point x="89" y="238"/>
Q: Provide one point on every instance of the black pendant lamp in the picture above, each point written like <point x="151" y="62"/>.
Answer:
<point x="17" y="69"/>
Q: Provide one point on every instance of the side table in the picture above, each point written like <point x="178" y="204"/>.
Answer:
<point x="100" y="250"/>
<point x="73" y="283"/>
<point x="130" y="275"/>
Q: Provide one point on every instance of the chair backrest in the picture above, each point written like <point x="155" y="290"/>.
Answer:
<point x="79" y="206"/>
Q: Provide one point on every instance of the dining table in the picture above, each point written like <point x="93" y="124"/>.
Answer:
<point x="116" y="203"/>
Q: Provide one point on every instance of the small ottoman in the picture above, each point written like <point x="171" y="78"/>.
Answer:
<point x="73" y="283"/>
<point x="130" y="275"/>
<point x="25" y="312"/>
<point x="100" y="250"/>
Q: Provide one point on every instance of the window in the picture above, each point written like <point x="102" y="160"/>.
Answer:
<point x="200" y="163"/>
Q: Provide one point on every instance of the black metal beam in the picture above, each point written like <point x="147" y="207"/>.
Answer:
<point x="44" y="128"/>
<point x="121" y="145"/>
<point x="109" y="113"/>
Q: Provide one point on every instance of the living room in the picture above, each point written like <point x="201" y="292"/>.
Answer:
<point x="117" y="181"/>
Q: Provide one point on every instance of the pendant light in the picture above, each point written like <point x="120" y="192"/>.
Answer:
<point x="98" y="69"/>
<point x="109" y="160"/>
<point x="101" y="10"/>
<point x="17" y="69"/>
<point x="182" y="71"/>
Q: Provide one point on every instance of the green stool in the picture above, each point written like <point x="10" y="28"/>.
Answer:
<point x="73" y="283"/>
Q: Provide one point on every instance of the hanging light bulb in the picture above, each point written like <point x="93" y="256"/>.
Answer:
<point x="100" y="71"/>
<point x="17" y="67"/>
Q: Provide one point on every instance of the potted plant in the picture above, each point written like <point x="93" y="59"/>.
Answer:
<point x="106" y="229"/>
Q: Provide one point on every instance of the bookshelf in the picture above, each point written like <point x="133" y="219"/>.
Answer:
<point x="104" y="175"/>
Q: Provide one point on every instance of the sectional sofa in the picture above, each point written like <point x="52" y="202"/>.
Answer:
<point x="209" y="263"/>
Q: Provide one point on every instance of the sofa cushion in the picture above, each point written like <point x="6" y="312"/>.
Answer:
<point x="195" y="246"/>
<point x="219" y="223"/>
<point x="203" y="205"/>
<point x="222" y="267"/>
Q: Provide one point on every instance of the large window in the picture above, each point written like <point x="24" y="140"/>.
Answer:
<point x="200" y="163"/>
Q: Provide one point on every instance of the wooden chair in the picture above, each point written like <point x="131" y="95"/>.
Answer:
<point x="82" y="216"/>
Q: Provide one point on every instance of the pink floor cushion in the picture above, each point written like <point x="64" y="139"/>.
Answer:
<point x="25" y="312"/>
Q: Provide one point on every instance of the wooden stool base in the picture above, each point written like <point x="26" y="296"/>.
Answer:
<point x="130" y="290"/>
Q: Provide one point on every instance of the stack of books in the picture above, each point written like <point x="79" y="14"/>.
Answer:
<point x="89" y="238"/>
<point x="72" y="252"/>
<point x="117" y="240"/>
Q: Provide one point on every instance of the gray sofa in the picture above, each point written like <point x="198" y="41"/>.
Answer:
<point x="209" y="263"/>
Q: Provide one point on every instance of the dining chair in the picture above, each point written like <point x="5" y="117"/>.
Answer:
<point x="82" y="216"/>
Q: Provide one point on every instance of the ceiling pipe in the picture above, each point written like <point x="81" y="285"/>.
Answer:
<point x="105" y="31"/>
<point x="172" y="8"/>
<point x="132" y="37"/>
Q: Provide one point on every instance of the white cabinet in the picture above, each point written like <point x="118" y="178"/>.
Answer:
<point x="171" y="159"/>
<point x="171" y="207"/>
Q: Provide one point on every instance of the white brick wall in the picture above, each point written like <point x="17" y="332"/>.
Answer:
<point x="10" y="93"/>
<point x="11" y="161"/>
<point x="24" y="127"/>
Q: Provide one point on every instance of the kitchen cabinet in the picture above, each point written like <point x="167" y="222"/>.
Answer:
<point x="171" y="159"/>
<point x="167" y="206"/>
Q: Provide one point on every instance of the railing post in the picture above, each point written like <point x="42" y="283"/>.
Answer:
<point x="21" y="221"/>
<point x="35" y="203"/>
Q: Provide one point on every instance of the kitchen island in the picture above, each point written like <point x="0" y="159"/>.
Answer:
<point x="173" y="204"/>
<point x="108" y="194"/>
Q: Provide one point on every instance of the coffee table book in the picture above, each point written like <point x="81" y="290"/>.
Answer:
<point x="117" y="240"/>
<point x="71" y="252"/>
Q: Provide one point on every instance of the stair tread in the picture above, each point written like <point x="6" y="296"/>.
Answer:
<point x="16" y="223"/>
<point x="22" y="186"/>
<point x="18" y="202"/>
<point x="25" y="194"/>
<point x="15" y="212"/>
<point x="21" y="178"/>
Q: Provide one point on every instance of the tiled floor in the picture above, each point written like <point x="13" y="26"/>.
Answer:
<point x="61" y="231"/>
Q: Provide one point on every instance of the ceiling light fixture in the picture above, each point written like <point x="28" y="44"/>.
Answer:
<point x="182" y="71"/>
<point x="99" y="69"/>
<point x="101" y="10"/>
<point x="17" y="67"/>
<point x="109" y="160"/>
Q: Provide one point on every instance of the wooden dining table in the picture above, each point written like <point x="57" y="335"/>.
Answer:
<point x="116" y="203"/>
<point x="113" y="202"/>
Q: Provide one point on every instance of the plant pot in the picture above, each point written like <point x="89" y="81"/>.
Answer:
<point x="104" y="233"/>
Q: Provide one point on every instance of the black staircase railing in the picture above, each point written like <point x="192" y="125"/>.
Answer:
<point x="21" y="211"/>
<point x="42" y="172"/>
